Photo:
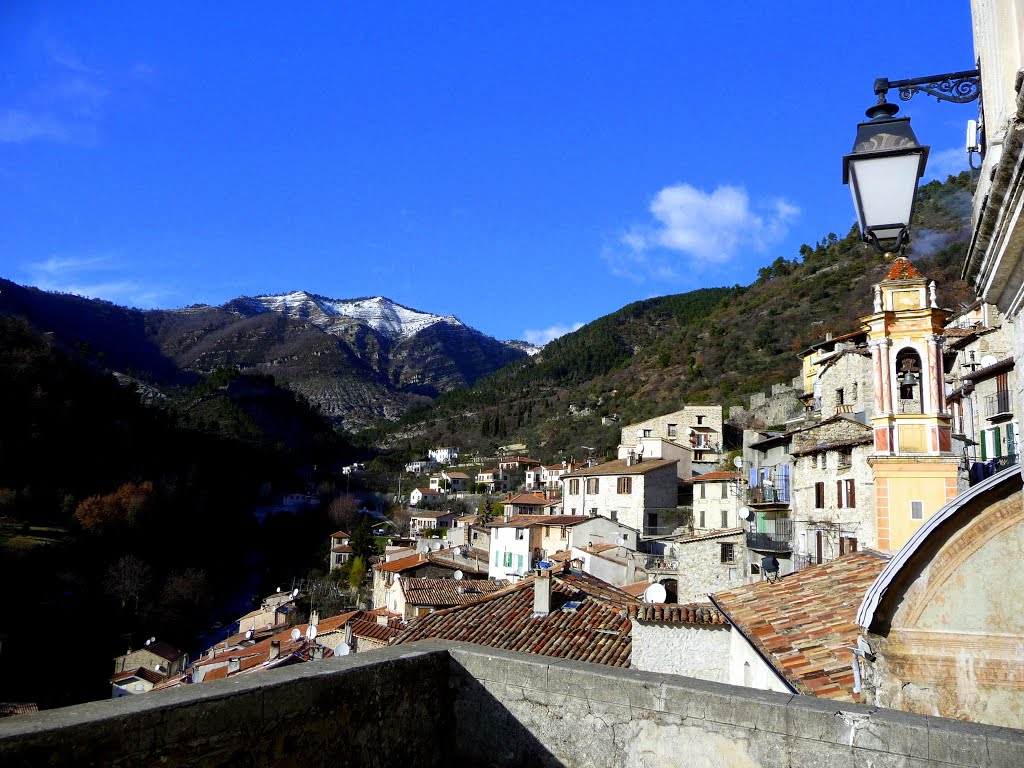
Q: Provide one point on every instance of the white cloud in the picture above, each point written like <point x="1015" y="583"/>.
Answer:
<point x="945" y="162"/>
<point x="544" y="335"/>
<point x="706" y="228"/>
<point x="95" y="277"/>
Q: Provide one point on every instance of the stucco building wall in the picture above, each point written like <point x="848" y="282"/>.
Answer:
<point x="702" y="572"/>
<point x="682" y="649"/>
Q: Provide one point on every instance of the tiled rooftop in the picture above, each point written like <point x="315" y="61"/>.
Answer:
<point x="620" y="467"/>
<point x="597" y="630"/>
<point x="805" y="623"/>
<point x="712" y="476"/>
<point x="447" y="592"/>
<point x="691" y="613"/>
<point x="525" y="521"/>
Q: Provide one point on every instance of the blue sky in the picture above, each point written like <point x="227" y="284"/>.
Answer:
<point x="526" y="166"/>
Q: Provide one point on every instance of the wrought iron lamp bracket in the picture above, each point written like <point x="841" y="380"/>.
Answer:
<point x="958" y="87"/>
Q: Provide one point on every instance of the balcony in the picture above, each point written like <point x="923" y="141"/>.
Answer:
<point x="777" y="536"/>
<point x="764" y="494"/>
<point x="998" y="404"/>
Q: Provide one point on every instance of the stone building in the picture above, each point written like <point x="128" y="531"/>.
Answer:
<point x="690" y="640"/>
<point x="711" y="562"/>
<point x="696" y="426"/>
<point x="833" y="490"/>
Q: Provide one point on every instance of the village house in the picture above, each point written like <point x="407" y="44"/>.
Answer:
<point x="836" y="376"/>
<point x="421" y="496"/>
<point x="646" y="448"/>
<point x="689" y="639"/>
<point x="603" y="530"/>
<point x="341" y="549"/>
<point x="641" y="494"/>
<point x="515" y="463"/>
<point x="426" y="520"/>
<point x="421" y="466"/>
<point x="444" y="455"/>
<point x="708" y="562"/>
<point x="140" y="670"/>
<point x="449" y="482"/>
<point x="768" y="462"/>
<point x="526" y="504"/>
<point x="833" y="494"/>
<point x="717" y="498"/>
<point x="276" y="610"/>
<point x="493" y="480"/>
<point x="438" y="564"/>
<point x="699" y="427"/>
<point x="412" y="597"/>
<point x="519" y="543"/>
<point x="616" y="565"/>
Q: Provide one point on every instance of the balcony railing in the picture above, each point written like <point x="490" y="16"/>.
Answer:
<point x="998" y="404"/>
<point x="763" y="494"/>
<point x="777" y="536"/>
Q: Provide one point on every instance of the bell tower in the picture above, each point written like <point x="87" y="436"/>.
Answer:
<point x="914" y="467"/>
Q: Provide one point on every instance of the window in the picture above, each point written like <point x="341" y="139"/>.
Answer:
<point x="593" y="486"/>
<point x="703" y="490"/>
<point x="520" y="533"/>
<point x="725" y="491"/>
<point x="754" y="569"/>
<point x="624" y="485"/>
<point x="847" y="544"/>
<point x="593" y="511"/>
<point x="625" y="536"/>
<point x="671" y="430"/>
<point x="917" y="510"/>
<point x="701" y="519"/>
<point x="572" y="511"/>
<point x="561" y="532"/>
<point x="614" y="515"/>
<point x="519" y="563"/>
<point x="700" y="420"/>
<point x="647" y="433"/>
<point x="652" y="519"/>
<point x="819" y="495"/>
<point x="845" y="494"/>
<point x="725" y="518"/>
<point x="574" y="486"/>
<point x="508" y="560"/>
<point x="839" y="396"/>
<point x="728" y="552"/>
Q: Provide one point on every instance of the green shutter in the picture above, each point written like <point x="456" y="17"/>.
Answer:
<point x="1011" y="440"/>
<point x="998" y="443"/>
<point x="519" y="563"/>
<point x="984" y="445"/>
<point x="497" y="555"/>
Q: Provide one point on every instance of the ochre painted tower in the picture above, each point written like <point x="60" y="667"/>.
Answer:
<point x="914" y="467"/>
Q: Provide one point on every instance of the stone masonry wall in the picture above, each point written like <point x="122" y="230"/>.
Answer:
<point x="442" y="704"/>
<point x="522" y="710"/>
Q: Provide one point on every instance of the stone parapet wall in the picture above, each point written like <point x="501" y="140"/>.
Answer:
<point x="520" y="710"/>
<point x="444" y="704"/>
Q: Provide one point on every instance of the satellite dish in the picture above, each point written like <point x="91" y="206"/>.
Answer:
<point x="295" y="592"/>
<point x="738" y="462"/>
<point x="311" y="632"/>
<point x="744" y="513"/>
<point x="656" y="593"/>
<point x="147" y="642"/>
<point x="458" y="575"/>
<point x="295" y="634"/>
<point x="640" y="449"/>
<point x="988" y="360"/>
<point x="279" y="589"/>
<point x="248" y="634"/>
<point x="342" y="649"/>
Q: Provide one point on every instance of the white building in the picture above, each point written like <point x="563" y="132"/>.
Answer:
<point x="661" y="448"/>
<point x="640" y="494"/>
<point x="446" y="455"/>
<point x="717" y="498"/>
<point x="424" y="495"/>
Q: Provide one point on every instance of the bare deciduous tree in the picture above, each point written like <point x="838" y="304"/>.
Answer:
<point x="126" y="579"/>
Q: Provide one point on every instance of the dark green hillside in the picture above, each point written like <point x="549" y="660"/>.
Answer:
<point x="712" y="345"/>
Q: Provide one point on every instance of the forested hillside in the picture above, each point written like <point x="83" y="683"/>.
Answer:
<point x="711" y="345"/>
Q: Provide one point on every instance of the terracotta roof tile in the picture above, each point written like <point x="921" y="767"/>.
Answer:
<point x="528" y="499"/>
<point x="902" y="269"/>
<point x="805" y="623"/>
<point x="708" y="477"/>
<point x="690" y="613"/>
<point x="447" y="592"/>
<point x="525" y="521"/>
<point x="597" y="630"/>
<point x="620" y="467"/>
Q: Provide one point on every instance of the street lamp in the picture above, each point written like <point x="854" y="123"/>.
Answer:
<point x="883" y="170"/>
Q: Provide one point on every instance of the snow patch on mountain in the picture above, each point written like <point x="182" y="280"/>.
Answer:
<point x="380" y="313"/>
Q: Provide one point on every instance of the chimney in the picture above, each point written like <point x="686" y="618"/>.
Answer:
<point x="314" y="618"/>
<point x="348" y="634"/>
<point x="234" y="664"/>
<point x="316" y="652"/>
<point x="275" y="650"/>
<point x="630" y="569"/>
<point x="542" y="593"/>
<point x="629" y="458"/>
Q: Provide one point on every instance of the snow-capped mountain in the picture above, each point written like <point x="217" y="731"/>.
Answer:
<point x="378" y="312"/>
